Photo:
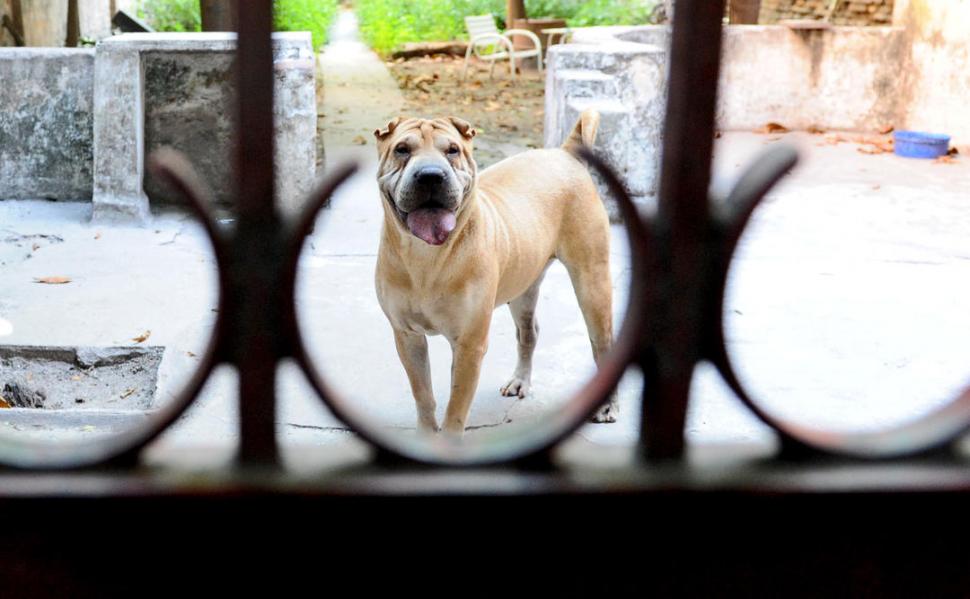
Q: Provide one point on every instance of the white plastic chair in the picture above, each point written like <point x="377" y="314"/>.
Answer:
<point x="483" y="33"/>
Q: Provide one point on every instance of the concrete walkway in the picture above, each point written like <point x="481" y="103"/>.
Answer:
<point x="349" y="335"/>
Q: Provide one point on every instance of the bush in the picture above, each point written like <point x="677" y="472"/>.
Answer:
<point x="171" y="15"/>
<point x="314" y="16"/>
<point x="386" y="24"/>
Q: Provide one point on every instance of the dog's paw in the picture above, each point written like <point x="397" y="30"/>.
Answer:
<point x="607" y="413"/>
<point x="516" y="387"/>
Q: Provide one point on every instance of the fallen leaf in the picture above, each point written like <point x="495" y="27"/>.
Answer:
<point x="35" y="247"/>
<point x="773" y="127"/>
<point x="4" y="403"/>
<point x="53" y="280"/>
<point x="869" y="149"/>
<point x="360" y="140"/>
<point x="945" y="159"/>
<point x="815" y="130"/>
<point x="887" y="130"/>
<point x="190" y="354"/>
<point x="141" y="338"/>
<point x="128" y="393"/>
<point x="882" y="144"/>
<point x="952" y="151"/>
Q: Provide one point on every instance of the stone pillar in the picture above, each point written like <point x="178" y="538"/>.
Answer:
<point x="294" y="119"/>
<point x="119" y="126"/>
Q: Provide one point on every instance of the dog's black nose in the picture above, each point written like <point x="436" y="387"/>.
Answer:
<point x="430" y="176"/>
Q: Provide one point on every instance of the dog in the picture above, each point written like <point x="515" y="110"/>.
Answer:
<point x="456" y="244"/>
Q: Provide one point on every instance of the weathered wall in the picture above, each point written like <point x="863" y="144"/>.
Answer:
<point x="848" y="12"/>
<point x="939" y="66"/>
<point x="188" y="105"/>
<point x="46" y="128"/>
<point x="842" y="78"/>
<point x="79" y="122"/>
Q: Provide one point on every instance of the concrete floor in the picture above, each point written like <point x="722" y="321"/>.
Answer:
<point x="847" y="305"/>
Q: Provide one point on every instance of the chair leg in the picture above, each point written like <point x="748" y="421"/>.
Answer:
<point x="468" y="55"/>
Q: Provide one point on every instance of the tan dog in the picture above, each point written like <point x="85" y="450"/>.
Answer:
<point x="455" y="245"/>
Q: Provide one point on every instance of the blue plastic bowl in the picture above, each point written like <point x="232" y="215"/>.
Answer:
<point x="918" y="144"/>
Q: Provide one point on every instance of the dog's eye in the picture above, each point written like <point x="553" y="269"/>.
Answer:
<point x="453" y="150"/>
<point x="402" y="149"/>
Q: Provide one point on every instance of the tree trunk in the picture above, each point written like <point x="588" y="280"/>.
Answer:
<point x="514" y="9"/>
<point x="744" y="12"/>
<point x="218" y="15"/>
<point x="73" y="24"/>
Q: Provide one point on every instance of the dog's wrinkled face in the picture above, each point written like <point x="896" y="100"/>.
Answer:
<point x="426" y="173"/>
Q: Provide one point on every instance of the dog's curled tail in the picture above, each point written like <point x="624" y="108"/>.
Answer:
<point x="584" y="132"/>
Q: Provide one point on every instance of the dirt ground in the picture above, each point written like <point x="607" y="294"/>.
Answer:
<point x="507" y="114"/>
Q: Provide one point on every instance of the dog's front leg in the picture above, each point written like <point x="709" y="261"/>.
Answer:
<point x="468" y="350"/>
<point x="412" y="348"/>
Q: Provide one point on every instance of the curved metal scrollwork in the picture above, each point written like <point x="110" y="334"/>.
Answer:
<point x="680" y="260"/>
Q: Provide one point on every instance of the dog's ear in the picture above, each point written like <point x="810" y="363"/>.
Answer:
<point x="382" y="134"/>
<point x="463" y="127"/>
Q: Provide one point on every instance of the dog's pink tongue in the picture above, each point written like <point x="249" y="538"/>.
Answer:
<point x="433" y="225"/>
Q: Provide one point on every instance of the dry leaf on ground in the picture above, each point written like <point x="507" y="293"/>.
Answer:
<point x="945" y="159"/>
<point x="773" y="127"/>
<point x="4" y="404"/>
<point x="143" y="337"/>
<point x="128" y="393"/>
<point x="360" y="140"/>
<point x="52" y="280"/>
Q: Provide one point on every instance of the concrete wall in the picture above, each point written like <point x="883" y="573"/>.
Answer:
<point x="844" y="78"/>
<point x="47" y="124"/>
<point x="181" y="91"/>
<point x="79" y="122"/>
<point x="939" y="66"/>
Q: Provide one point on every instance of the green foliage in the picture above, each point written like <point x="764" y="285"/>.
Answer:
<point x="612" y="12"/>
<point x="171" y="15"/>
<point x="314" y="16"/>
<point x="386" y="24"/>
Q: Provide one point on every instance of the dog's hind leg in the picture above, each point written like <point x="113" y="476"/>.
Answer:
<point x="523" y="310"/>
<point x="413" y="351"/>
<point x="589" y="271"/>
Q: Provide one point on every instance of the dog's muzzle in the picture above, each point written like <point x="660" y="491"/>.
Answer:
<point x="429" y="211"/>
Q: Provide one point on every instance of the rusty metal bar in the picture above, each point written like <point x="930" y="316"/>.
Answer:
<point x="255" y="342"/>
<point x="682" y="223"/>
